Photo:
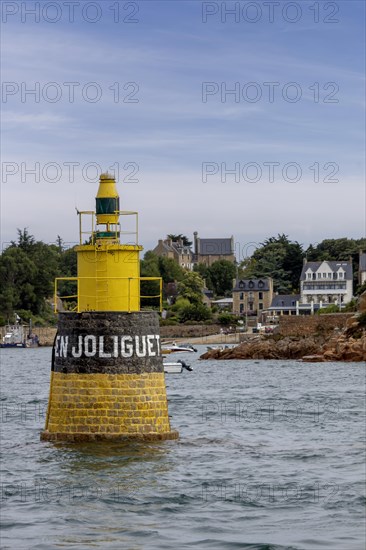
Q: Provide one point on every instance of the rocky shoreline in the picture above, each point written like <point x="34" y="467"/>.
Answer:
<point x="348" y="344"/>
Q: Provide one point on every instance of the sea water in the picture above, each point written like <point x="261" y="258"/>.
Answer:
<point x="270" y="456"/>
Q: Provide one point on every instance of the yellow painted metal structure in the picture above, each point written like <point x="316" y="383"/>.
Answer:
<point x="99" y="392"/>
<point x="124" y="280"/>
<point x="108" y="271"/>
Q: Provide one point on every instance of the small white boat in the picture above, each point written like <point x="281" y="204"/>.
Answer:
<point x="176" y="367"/>
<point x="176" y="348"/>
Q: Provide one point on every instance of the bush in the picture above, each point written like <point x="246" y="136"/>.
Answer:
<point x="194" y="312"/>
<point x="351" y="306"/>
<point x="226" y="319"/>
<point x="360" y="289"/>
<point x="180" y="304"/>
<point x="48" y="318"/>
<point x="168" y="322"/>
<point x="333" y="308"/>
<point x="362" y="319"/>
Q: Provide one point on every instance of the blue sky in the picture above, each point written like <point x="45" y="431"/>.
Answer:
<point x="167" y="129"/>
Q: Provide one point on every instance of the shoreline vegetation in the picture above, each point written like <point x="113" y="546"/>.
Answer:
<point x="28" y="268"/>
<point x="342" y="339"/>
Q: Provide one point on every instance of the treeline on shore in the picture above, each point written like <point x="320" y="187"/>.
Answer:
<point x="28" y="268"/>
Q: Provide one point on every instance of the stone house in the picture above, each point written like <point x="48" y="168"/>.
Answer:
<point x="326" y="282"/>
<point x="252" y="296"/>
<point x="175" y="250"/>
<point x="208" y="251"/>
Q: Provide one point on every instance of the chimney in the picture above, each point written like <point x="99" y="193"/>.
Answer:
<point x="195" y="238"/>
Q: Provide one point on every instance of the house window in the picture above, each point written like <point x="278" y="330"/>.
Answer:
<point x="319" y="275"/>
<point x="251" y="284"/>
<point x="241" y="308"/>
<point x="241" y="284"/>
<point x="260" y="284"/>
<point x="260" y="295"/>
<point x="340" y="275"/>
<point x="324" y="275"/>
<point x="242" y="296"/>
<point x="260" y="305"/>
<point x="250" y="307"/>
<point x="329" y="275"/>
<point x="309" y="275"/>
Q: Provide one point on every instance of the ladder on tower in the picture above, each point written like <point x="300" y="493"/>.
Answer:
<point x="101" y="283"/>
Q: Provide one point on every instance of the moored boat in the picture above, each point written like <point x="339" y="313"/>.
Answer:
<point x="167" y="348"/>
<point x="176" y="367"/>
<point x="19" y="336"/>
<point x="14" y="337"/>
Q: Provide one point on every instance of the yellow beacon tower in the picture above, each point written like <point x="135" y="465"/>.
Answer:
<point x="107" y="377"/>
<point x="109" y="271"/>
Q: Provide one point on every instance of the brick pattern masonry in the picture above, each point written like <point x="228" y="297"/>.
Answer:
<point x="107" y="380"/>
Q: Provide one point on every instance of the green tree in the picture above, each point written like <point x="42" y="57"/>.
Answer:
<point x="221" y="275"/>
<point x="175" y="238"/>
<point x="194" y="312"/>
<point x="17" y="274"/>
<point x="25" y="240"/>
<point x="149" y="267"/>
<point x="159" y="266"/>
<point x="68" y="263"/>
<point x="278" y="258"/>
<point x="204" y="271"/>
<point x="67" y="268"/>
<point x="191" y="287"/>
<point x="27" y="271"/>
<point x="46" y="259"/>
<point x="169" y="270"/>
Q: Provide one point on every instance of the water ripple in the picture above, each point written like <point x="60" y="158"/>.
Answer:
<point x="270" y="457"/>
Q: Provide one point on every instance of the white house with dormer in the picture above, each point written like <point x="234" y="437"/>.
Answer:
<point x="327" y="282"/>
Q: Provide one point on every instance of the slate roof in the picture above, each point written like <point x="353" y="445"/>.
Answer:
<point x="176" y="246"/>
<point x="208" y="293"/>
<point x="245" y="285"/>
<point x="215" y="247"/>
<point x="334" y="266"/>
<point x="285" y="300"/>
<point x="362" y="261"/>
